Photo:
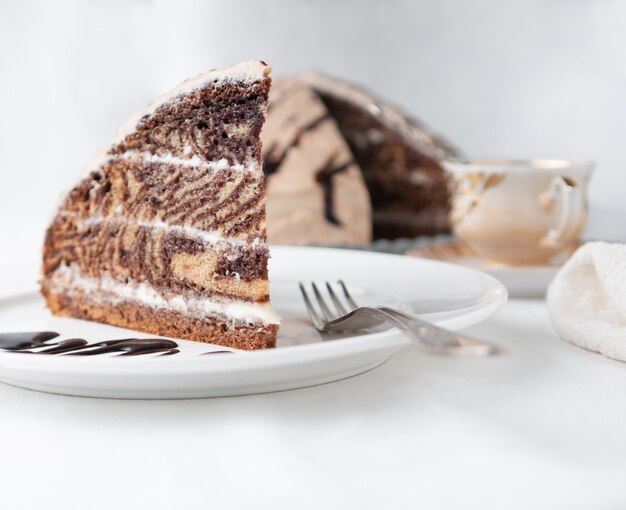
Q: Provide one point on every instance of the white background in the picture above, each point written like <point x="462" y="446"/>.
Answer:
<point x="532" y="78"/>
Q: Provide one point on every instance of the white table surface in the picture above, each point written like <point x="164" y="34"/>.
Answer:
<point x="541" y="426"/>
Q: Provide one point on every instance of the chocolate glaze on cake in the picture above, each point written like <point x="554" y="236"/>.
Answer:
<point x="398" y="157"/>
<point x="166" y="233"/>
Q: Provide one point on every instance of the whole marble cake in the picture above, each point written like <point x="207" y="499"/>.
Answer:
<point x="166" y="232"/>
<point x="344" y="168"/>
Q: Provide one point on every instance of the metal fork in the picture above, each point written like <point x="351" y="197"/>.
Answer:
<point x="352" y="317"/>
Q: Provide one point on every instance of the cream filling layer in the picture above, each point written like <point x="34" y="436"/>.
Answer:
<point x="106" y="289"/>
<point x="192" y="162"/>
<point x="208" y="237"/>
<point x="102" y="159"/>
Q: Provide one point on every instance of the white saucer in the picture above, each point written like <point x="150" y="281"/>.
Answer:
<point x="449" y="295"/>
<point x="520" y="281"/>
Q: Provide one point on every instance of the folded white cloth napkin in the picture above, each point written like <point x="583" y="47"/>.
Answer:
<point x="587" y="299"/>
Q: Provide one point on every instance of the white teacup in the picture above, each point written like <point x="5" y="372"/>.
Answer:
<point x="520" y="212"/>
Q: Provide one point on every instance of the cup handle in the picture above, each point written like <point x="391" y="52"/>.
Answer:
<point x="572" y="208"/>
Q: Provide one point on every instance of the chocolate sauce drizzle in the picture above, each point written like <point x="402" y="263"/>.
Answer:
<point x="26" y="342"/>
<point x="40" y="340"/>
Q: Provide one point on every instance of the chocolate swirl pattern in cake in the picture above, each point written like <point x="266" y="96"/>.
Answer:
<point x="166" y="233"/>
<point x="397" y="159"/>
<point x="316" y="192"/>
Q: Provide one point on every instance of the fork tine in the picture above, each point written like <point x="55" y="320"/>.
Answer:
<point x="317" y="320"/>
<point x="326" y="311"/>
<point x="340" y="308"/>
<point x="351" y="301"/>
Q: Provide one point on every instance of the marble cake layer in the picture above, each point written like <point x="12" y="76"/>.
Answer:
<point x="166" y="232"/>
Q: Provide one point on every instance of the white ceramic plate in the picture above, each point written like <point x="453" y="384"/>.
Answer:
<point x="448" y="295"/>
<point x="520" y="281"/>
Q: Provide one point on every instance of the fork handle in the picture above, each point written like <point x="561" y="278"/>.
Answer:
<point x="435" y="339"/>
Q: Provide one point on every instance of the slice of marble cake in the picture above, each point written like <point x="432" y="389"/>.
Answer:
<point x="166" y="232"/>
